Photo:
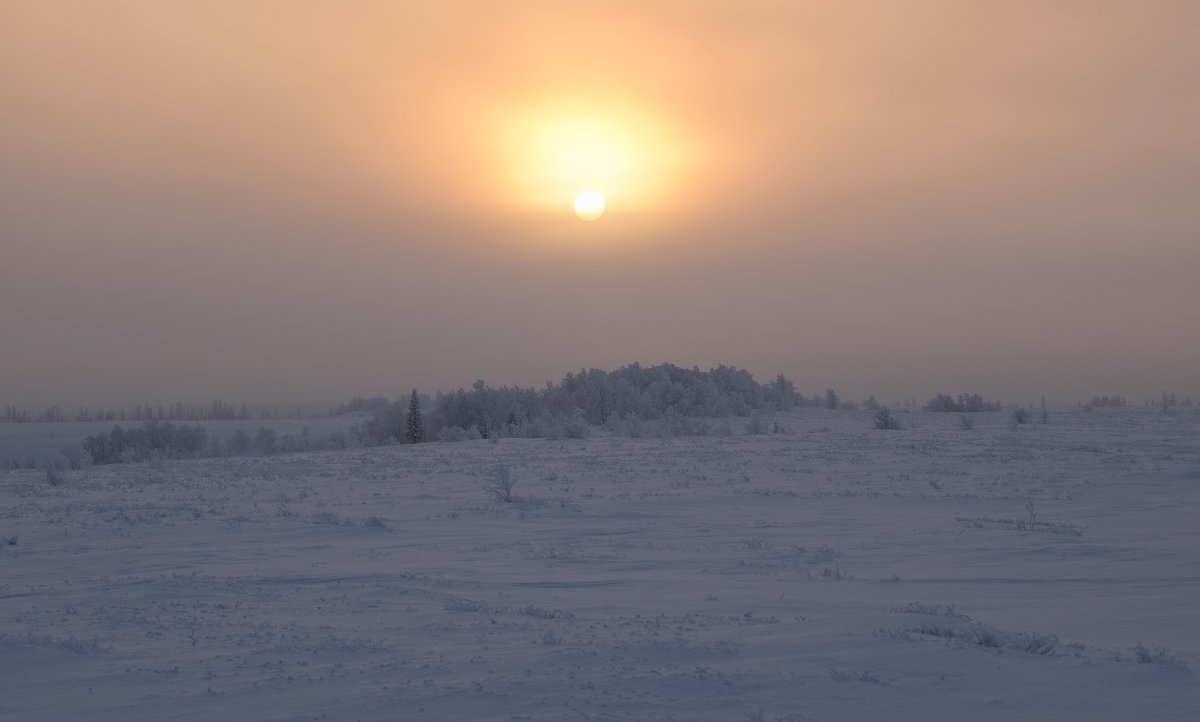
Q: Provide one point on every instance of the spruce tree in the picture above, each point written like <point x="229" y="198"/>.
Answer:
<point x="416" y="427"/>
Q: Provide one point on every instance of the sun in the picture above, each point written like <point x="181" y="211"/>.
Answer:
<point x="589" y="205"/>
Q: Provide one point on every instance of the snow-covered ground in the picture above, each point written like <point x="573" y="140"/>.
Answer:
<point x="831" y="571"/>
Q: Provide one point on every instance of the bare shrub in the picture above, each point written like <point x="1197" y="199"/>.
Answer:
<point x="54" y="474"/>
<point x="864" y="675"/>
<point x="984" y="637"/>
<point x="500" y="486"/>
<point x="835" y="573"/>
<point x="1157" y="655"/>
<point x="969" y="632"/>
<point x="966" y="423"/>
<point x="1034" y="643"/>
<point x="326" y="517"/>
<point x="936" y="610"/>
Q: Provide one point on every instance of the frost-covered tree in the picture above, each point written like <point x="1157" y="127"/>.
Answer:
<point x="596" y="397"/>
<point x="415" y="427"/>
<point x="781" y="393"/>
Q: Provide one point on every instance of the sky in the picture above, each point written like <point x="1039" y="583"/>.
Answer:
<point x="303" y="201"/>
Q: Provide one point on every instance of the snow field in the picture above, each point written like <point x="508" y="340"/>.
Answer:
<point x="830" y="572"/>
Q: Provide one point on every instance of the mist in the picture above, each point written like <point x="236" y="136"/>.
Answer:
<point x="300" y="202"/>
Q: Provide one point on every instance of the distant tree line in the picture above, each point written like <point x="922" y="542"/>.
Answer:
<point x="1169" y="399"/>
<point x="965" y="403"/>
<point x="669" y="399"/>
<point x="216" y="411"/>
<point x="162" y="439"/>
<point x="359" y="405"/>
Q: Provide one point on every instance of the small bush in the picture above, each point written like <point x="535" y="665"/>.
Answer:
<point x="885" y="420"/>
<point x="966" y="423"/>
<point x="54" y="475"/>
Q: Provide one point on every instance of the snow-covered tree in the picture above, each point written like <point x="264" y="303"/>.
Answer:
<point x="415" y="427"/>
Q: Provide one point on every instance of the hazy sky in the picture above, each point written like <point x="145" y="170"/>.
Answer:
<point x="290" y="201"/>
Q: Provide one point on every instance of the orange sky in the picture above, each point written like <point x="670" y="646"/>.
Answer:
<point x="304" y="201"/>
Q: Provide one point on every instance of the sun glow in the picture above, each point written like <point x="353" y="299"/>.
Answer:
<point x="551" y="150"/>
